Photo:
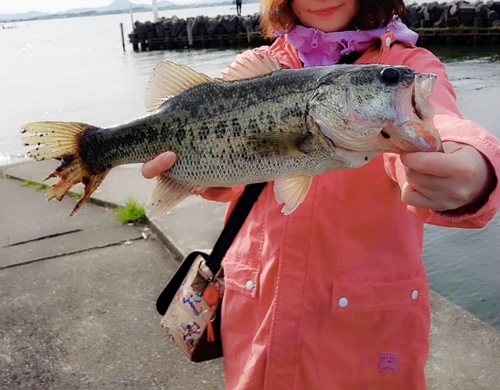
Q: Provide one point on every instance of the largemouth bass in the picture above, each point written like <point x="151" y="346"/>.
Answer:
<point x="257" y="123"/>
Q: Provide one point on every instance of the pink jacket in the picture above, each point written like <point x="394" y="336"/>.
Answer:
<point x="335" y="295"/>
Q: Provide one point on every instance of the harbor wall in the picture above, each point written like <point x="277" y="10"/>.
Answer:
<point x="455" y="23"/>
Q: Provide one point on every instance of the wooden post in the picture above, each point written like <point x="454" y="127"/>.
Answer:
<point x="150" y="40"/>
<point x="189" y="28"/>
<point x="132" y="19"/>
<point x="123" y="37"/>
<point x="155" y="10"/>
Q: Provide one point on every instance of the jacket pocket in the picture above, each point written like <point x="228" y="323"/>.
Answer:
<point x="376" y="335"/>
<point x="241" y="276"/>
<point x="240" y="310"/>
<point x="367" y="295"/>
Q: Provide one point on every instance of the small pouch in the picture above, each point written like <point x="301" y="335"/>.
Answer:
<point x="191" y="302"/>
<point x="191" y="306"/>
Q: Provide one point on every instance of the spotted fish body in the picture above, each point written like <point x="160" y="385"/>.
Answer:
<point x="224" y="133"/>
<point x="281" y="125"/>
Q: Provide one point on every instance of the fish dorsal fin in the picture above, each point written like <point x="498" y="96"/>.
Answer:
<point x="169" y="78"/>
<point x="167" y="194"/>
<point x="253" y="66"/>
<point x="291" y="191"/>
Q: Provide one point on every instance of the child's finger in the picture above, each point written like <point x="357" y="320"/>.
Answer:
<point x="412" y="197"/>
<point x="435" y="164"/>
<point x="158" y="165"/>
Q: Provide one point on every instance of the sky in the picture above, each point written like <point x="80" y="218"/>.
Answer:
<point x="52" y="6"/>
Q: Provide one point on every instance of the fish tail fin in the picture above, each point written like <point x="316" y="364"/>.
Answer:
<point x="59" y="140"/>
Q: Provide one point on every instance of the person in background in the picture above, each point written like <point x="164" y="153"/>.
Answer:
<point x="335" y="295"/>
<point x="238" y="7"/>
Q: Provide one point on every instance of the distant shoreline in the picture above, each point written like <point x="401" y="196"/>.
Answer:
<point x="123" y="11"/>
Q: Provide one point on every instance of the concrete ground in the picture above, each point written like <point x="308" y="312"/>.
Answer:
<point x="78" y="295"/>
<point x="78" y="301"/>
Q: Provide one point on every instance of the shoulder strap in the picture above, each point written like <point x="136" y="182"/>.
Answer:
<point x="213" y="261"/>
<point x="233" y="225"/>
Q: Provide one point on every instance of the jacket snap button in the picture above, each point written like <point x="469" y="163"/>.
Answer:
<point x="414" y="294"/>
<point x="388" y="41"/>
<point x="249" y="285"/>
<point x="343" y="302"/>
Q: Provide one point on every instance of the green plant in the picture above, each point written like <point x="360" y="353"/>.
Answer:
<point x="77" y="195"/>
<point x="27" y="183"/>
<point x="131" y="212"/>
<point x="35" y="185"/>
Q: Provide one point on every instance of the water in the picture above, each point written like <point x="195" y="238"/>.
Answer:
<point x="75" y="70"/>
<point x="464" y="264"/>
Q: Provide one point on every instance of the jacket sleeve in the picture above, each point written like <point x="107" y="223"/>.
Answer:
<point x="288" y="58"/>
<point x="452" y="127"/>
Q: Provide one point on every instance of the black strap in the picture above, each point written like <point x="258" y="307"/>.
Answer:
<point x="214" y="260"/>
<point x="233" y="225"/>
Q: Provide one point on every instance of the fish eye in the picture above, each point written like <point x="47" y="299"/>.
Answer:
<point x="390" y="75"/>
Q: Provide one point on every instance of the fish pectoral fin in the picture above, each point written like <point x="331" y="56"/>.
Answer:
<point x="167" y="194"/>
<point x="291" y="191"/>
<point x="169" y="78"/>
<point x="279" y="144"/>
<point x="253" y="65"/>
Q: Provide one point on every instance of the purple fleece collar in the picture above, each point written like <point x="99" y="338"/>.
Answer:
<point x="316" y="47"/>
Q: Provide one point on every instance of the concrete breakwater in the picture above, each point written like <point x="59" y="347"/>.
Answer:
<point x="201" y="31"/>
<point x="454" y="23"/>
<point x="453" y="15"/>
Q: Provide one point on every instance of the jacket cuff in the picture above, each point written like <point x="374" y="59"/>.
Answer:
<point x="469" y="133"/>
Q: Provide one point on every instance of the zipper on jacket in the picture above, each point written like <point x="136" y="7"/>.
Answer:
<point x="314" y="43"/>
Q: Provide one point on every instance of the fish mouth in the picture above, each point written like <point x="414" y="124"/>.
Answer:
<point x="414" y="131"/>
<point x="421" y="95"/>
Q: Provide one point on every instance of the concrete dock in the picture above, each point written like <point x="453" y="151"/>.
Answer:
<point x="78" y="295"/>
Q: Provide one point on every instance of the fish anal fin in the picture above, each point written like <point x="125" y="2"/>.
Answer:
<point x="291" y="191"/>
<point x="169" y="79"/>
<point x="253" y="65"/>
<point x="167" y="194"/>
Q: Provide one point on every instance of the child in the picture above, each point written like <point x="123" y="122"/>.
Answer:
<point x="335" y="296"/>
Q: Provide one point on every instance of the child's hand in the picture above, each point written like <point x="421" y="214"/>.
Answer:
<point x="161" y="163"/>
<point x="458" y="177"/>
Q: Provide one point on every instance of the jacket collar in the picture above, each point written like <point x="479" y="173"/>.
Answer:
<point x="316" y="47"/>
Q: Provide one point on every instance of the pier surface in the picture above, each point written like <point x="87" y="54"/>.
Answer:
<point x="78" y="295"/>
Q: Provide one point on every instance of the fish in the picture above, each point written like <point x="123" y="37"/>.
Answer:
<point x="258" y="122"/>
